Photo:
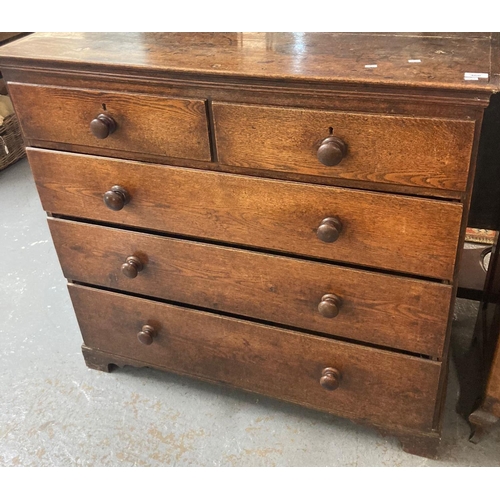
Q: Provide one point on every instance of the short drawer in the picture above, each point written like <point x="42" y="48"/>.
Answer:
<point x="144" y="124"/>
<point x="404" y="150"/>
<point x="401" y="233"/>
<point x="384" y="388"/>
<point x="406" y="314"/>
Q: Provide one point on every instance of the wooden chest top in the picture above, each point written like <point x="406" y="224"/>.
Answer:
<point x="448" y="61"/>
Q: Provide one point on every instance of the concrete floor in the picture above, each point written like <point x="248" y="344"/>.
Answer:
<point x="56" y="412"/>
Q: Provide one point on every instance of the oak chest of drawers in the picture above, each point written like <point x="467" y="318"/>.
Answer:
<point x="278" y="212"/>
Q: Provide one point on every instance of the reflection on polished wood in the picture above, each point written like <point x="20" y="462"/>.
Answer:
<point x="330" y="57"/>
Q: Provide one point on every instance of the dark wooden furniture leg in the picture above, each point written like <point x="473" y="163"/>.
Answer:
<point x="480" y="421"/>
<point x="423" y="446"/>
<point x="478" y="387"/>
<point x="97" y="361"/>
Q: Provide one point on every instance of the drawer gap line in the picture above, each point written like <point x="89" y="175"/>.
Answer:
<point x="267" y="251"/>
<point x="256" y="321"/>
<point x="216" y="166"/>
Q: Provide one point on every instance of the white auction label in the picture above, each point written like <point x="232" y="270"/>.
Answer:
<point x="475" y="76"/>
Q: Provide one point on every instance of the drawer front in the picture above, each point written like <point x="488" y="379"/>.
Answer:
<point x="405" y="314"/>
<point x="144" y="124"/>
<point x="401" y="233"/>
<point x="380" y="387"/>
<point x="419" y="152"/>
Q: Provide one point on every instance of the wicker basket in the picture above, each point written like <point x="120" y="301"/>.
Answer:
<point x="11" y="142"/>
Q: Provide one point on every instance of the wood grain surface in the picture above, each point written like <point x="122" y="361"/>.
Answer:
<point x="401" y="313"/>
<point x="492" y="393"/>
<point x="360" y="58"/>
<point x="385" y="388"/>
<point x="145" y="124"/>
<point x="400" y="233"/>
<point x="382" y="149"/>
<point x="209" y="193"/>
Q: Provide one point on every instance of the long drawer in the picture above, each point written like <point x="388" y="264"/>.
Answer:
<point x="400" y="233"/>
<point x="358" y="382"/>
<point x="401" y="313"/>
<point x="405" y="150"/>
<point x="143" y="123"/>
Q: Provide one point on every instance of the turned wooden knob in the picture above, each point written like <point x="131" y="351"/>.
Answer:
<point x="330" y="379"/>
<point x="102" y="126"/>
<point x="146" y="335"/>
<point x="132" y="266"/>
<point x="329" y="230"/>
<point x="331" y="151"/>
<point x="329" y="307"/>
<point x="116" y="198"/>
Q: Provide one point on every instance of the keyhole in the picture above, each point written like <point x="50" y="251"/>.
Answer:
<point x="330" y="130"/>
<point x="104" y="107"/>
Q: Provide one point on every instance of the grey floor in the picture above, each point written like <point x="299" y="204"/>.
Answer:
<point x="56" y="412"/>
